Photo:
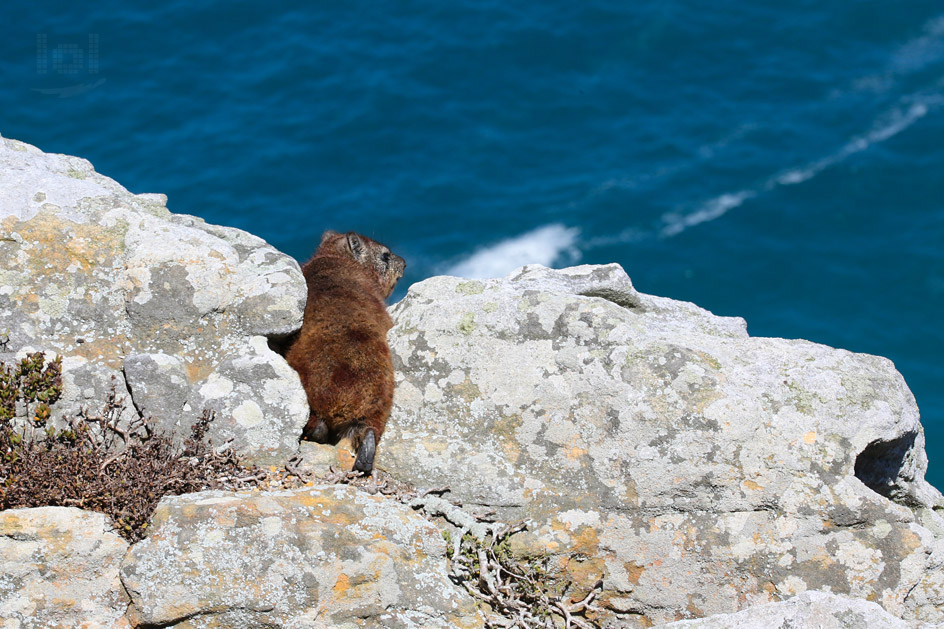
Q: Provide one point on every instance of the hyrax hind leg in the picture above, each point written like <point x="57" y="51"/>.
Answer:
<point x="365" y="444"/>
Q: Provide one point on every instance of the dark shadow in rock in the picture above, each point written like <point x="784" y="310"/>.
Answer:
<point x="879" y="467"/>
<point x="280" y="344"/>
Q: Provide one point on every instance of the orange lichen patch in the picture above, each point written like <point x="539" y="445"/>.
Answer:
<point x="7" y="225"/>
<point x="694" y="610"/>
<point x="342" y="585"/>
<point x="630" y="495"/>
<point x="326" y="508"/>
<point x="575" y="452"/>
<point x="89" y="246"/>
<point x="505" y="425"/>
<point x="178" y="610"/>
<point x="464" y="622"/>
<point x="363" y="586"/>
<point x="109" y="351"/>
<point x="60" y="601"/>
<point x="584" y="575"/>
<point x="434" y="446"/>
<point x="29" y="303"/>
<point x="586" y="541"/>
<point x="345" y="454"/>
<point x="512" y="454"/>
<point x="751" y="485"/>
<point x="198" y="371"/>
<point x="822" y="558"/>
<point x="125" y="622"/>
<point x="469" y="391"/>
<point x="190" y="510"/>
<point x="908" y="541"/>
<point x="419" y="550"/>
<point x="810" y="437"/>
<point x="229" y="517"/>
<point x="680" y="540"/>
<point x="634" y="571"/>
<point x="527" y="544"/>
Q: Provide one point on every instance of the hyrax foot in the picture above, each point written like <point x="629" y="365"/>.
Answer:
<point x="365" y="454"/>
<point x="316" y="430"/>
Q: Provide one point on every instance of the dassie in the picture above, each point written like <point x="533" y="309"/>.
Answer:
<point x="341" y="352"/>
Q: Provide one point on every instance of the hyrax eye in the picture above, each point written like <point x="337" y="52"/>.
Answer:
<point x="385" y="257"/>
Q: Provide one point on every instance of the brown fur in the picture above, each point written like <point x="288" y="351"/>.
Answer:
<point x="341" y="352"/>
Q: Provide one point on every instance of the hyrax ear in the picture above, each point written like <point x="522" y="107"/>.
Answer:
<point x="356" y="245"/>
<point x="329" y="233"/>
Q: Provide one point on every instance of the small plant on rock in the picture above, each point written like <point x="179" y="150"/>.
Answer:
<point x="519" y="590"/>
<point x="98" y="461"/>
<point x="32" y="383"/>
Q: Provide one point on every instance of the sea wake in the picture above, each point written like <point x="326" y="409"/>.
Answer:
<point x="544" y="245"/>
<point x="888" y="126"/>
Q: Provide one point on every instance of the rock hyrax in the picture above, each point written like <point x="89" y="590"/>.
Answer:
<point x="341" y="352"/>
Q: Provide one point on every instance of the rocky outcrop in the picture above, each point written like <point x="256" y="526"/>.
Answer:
<point x="650" y="446"/>
<point x="329" y="556"/>
<point x="173" y="312"/>
<point x="59" y="568"/>
<point x="695" y="469"/>
<point x="810" y="609"/>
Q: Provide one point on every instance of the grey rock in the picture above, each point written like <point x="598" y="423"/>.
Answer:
<point x="926" y="600"/>
<point x="158" y="382"/>
<point x="810" y="609"/>
<point x="695" y="469"/>
<point x="329" y="556"/>
<point x="59" y="568"/>
<point x="119" y="286"/>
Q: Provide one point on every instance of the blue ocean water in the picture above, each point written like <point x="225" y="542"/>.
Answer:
<point x="783" y="162"/>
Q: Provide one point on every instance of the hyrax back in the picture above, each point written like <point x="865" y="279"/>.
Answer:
<point x="341" y="352"/>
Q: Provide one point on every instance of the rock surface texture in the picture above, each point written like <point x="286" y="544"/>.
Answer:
<point x="328" y="556"/>
<point x="59" y="568"/>
<point x="810" y="609"/>
<point x="651" y="446"/>
<point x="695" y="469"/>
<point x="174" y="312"/>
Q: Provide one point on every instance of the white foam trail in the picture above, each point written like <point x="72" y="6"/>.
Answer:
<point x="895" y="124"/>
<point x="708" y="211"/>
<point x="912" y="56"/>
<point x="887" y="127"/>
<point x="921" y="51"/>
<point x="543" y="245"/>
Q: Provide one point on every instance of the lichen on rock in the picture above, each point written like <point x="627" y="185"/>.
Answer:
<point x="330" y="556"/>
<point x="59" y="568"/>
<point x="695" y="469"/>
<point x="161" y="303"/>
<point x="664" y="463"/>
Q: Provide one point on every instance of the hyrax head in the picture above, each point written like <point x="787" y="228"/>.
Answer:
<point x="368" y="253"/>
